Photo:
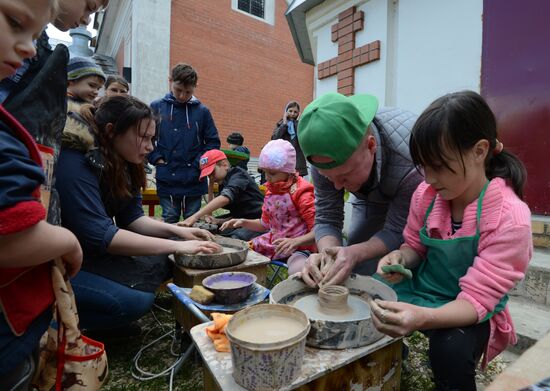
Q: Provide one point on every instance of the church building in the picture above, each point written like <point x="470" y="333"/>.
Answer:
<point x="242" y="50"/>
<point x="409" y="52"/>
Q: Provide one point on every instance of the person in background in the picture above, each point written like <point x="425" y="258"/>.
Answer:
<point x="288" y="211"/>
<point x="28" y="242"/>
<point x="236" y="141"/>
<point x="36" y="95"/>
<point x="238" y="193"/>
<point x="287" y="129"/>
<point x="85" y="79"/>
<point x="100" y="178"/>
<point x="468" y="241"/>
<point x="73" y="13"/>
<point x="70" y="14"/>
<point x="186" y="130"/>
<point x="116" y="85"/>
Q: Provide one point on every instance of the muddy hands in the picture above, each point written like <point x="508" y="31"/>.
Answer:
<point x="330" y="267"/>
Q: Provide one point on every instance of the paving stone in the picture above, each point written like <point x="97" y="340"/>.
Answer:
<point x="532" y="322"/>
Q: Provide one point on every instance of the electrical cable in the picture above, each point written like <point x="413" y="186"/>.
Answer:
<point x="141" y="374"/>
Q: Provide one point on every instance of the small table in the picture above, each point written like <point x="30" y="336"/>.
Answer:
<point x="150" y="198"/>
<point x="375" y="365"/>
<point x="186" y="278"/>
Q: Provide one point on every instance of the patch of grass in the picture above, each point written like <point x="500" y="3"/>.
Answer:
<point x="282" y="275"/>
<point x="417" y="375"/>
<point x="121" y="352"/>
<point x="158" y="211"/>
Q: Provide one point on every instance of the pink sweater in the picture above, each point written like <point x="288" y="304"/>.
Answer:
<point x="504" y="250"/>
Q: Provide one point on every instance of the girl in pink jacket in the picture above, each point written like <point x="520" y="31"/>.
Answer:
<point x="288" y="212"/>
<point x="467" y="241"/>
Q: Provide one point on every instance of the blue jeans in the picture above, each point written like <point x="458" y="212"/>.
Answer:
<point x="172" y="207"/>
<point x="16" y="352"/>
<point x="106" y="304"/>
<point x="365" y="222"/>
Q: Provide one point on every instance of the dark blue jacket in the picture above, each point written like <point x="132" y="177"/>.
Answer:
<point x="88" y="205"/>
<point x="19" y="174"/>
<point x="185" y="131"/>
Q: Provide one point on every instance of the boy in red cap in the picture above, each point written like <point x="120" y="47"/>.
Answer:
<point x="239" y="193"/>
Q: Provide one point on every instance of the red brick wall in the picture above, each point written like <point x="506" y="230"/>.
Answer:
<point x="248" y="69"/>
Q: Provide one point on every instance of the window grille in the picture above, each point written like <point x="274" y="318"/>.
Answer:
<point x="253" y="7"/>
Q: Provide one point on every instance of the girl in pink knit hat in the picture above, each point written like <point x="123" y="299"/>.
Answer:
<point x="288" y="212"/>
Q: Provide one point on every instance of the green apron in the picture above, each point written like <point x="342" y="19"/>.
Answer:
<point x="435" y="280"/>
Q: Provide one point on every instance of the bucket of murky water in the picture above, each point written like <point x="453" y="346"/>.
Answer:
<point x="267" y="345"/>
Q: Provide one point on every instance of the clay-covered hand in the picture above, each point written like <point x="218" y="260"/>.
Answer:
<point x="197" y="246"/>
<point x="211" y="220"/>
<point x="397" y="319"/>
<point x="340" y="263"/>
<point x="311" y="273"/>
<point x="285" y="246"/>
<point x="233" y="223"/>
<point x="188" y="222"/>
<point x="393" y="258"/>
<point x="195" y="234"/>
<point x="73" y="259"/>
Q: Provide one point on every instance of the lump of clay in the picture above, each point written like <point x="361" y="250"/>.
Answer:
<point x="213" y="228"/>
<point x="201" y="295"/>
<point x="327" y="261"/>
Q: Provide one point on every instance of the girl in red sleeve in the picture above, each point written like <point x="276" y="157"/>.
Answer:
<point x="288" y="212"/>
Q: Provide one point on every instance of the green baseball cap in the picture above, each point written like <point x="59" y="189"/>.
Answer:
<point x="334" y="125"/>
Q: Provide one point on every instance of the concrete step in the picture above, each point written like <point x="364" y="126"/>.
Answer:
<point x="508" y="357"/>
<point x="536" y="284"/>
<point x="532" y="322"/>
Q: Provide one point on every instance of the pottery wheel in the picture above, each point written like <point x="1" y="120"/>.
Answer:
<point x="357" y="309"/>
<point x="225" y="250"/>
<point x="339" y="329"/>
<point x="233" y="252"/>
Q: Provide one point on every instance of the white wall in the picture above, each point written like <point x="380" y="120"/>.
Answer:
<point x="438" y="50"/>
<point x="428" y="48"/>
<point x="371" y="78"/>
<point x="116" y="28"/>
<point x="150" y="48"/>
<point x="324" y="53"/>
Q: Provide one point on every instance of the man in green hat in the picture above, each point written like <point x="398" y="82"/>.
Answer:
<point x="352" y="145"/>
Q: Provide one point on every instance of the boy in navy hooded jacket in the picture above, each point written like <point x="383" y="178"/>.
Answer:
<point x="185" y="131"/>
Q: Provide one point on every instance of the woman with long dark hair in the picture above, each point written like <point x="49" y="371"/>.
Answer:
<point x="100" y="176"/>
<point x="287" y="129"/>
